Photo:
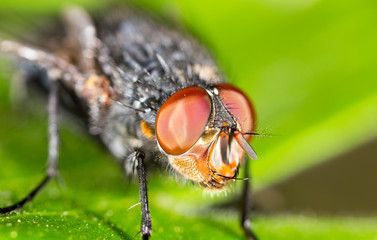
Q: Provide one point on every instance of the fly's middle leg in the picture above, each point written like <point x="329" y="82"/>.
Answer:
<point x="53" y="150"/>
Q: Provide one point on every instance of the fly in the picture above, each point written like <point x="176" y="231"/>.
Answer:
<point x="145" y="90"/>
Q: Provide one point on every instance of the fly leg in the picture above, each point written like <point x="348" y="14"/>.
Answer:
<point x="246" y="206"/>
<point x="82" y="33"/>
<point x="129" y="165"/>
<point x="146" y="222"/>
<point x="56" y="67"/>
<point x="53" y="153"/>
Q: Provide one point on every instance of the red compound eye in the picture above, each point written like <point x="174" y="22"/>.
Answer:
<point x="239" y="105"/>
<point x="181" y="119"/>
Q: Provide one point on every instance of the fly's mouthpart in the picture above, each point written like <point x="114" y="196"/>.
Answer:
<point x="225" y="156"/>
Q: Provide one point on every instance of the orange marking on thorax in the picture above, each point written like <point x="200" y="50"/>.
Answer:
<point x="147" y="130"/>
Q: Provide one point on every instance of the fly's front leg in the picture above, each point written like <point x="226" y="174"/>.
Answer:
<point x="146" y="222"/>
<point x="53" y="150"/>
<point x="246" y="206"/>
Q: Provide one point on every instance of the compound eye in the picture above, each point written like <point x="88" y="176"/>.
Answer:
<point x="181" y="119"/>
<point x="239" y="105"/>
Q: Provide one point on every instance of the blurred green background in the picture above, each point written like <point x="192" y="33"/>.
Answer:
<point x="309" y="66"/>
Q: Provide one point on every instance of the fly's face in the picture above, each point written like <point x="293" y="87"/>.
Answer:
<point x="200" y="130"/>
